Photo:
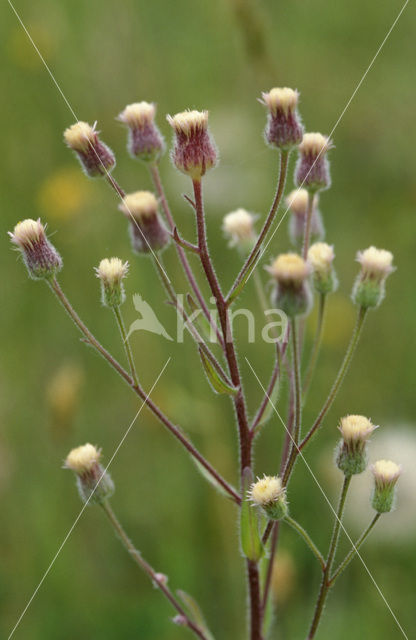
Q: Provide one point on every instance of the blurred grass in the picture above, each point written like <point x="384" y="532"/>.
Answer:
<point x="204" y="55"/>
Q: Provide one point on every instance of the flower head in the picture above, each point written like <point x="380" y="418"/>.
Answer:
<point x="312" y="169"/>
<point x="269" y="494"/>
<point x="147" y="231"/>
<point x="95" y="157"/>
<point x="93" y="481"/>
<point x="284" y="128"/>
<point x="111" y="272"/>
<point x="386" y="473"/>
<point x="40" y="256"/>
<point x="194" y="151"/>
<point x="289" y="269"/>
<point x="321" y="256"/>
<point x="297" y="204"/>
<point x="292" y="293"/>
<point x="238" y="226"/>
<point x="369" y="287"/>
<point x="351" y="454"/>
<point x="145" y="140"/>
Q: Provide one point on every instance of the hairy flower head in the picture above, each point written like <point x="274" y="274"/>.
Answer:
<point x="321" y="256"/>
<point x="83" y="459"/>
<point x="189" y="122"/>
<point x="314" y="144"/>
<point x="27" y="233"/>
<point x="238" y="226"/>
<point x="266" y="490"/>
<point x="138" y="114"/>
<point x="356" y="429"/>
<point x="140" y="205"/>
<point x="80" y="136"/>
<point x="375" y="263"/>
<point x="289" y="269"/>
<point x="386" y="473"/>
<point x="280" y="99"/>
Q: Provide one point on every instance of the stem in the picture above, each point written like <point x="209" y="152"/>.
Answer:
<point x="239" y="403"/>
<point x="267" y="532"/>
<point x="284" y="156"/>
<point x="316" y="345"/>
<point x="153" y="575"/>
<point x="114" y="184"/>
<point x="267" y="396"/>
<point x="308" y="220"/>
<point x="340" y="377"/>
<point x="353" y="551"/>
<point x="294" y="449"/>
<point x="307" y="539"/>
<point x="325" y="584"/>
<point x="126" y="344"/>
<point x="189" y="325"/>
<point x="255" y="605"/>
<point x="140" y="392"/>
<point x="154" y="172"/>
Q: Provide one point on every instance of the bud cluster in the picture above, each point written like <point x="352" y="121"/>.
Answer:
<point x="269" y="494"/>
<point x="93" y="482"/>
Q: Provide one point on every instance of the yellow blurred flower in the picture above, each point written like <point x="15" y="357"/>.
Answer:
<point x="62" y="396"/>
<point x="63" y="194"/>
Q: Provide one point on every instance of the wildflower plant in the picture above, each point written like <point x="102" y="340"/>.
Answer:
<point x="299" y="280"/>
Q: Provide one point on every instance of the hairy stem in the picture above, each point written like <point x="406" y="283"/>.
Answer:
<point x="325" y="584"/>
<point x="255" y="604"/>
<point x="253" y="256"/>
<point x="344" y="564"/>
<point x="316" y="345"/>
<point x="305" y="535"/>
<point x="308" y="220"/>
<point x="126" y="344"/>
<point x="92" y="340"/>
<point x="157" y="579"/>
<point x="155" y="174"/>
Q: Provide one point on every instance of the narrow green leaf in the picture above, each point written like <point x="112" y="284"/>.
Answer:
<point x="215" y="379"/>
<point x="195" y="613"/>
<point x="243" y="281"/>
<point x="251" y="544"/>
<point x="210" y="478"/>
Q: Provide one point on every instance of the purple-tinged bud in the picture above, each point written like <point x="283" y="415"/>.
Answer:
<point x="95" y="157"/>
<point x="351" y="455"/>
<point x="40" y="256"/>
<point x="147" y="230"/>
<point x="111" y="272"/>
<point x="284" y="128"/>
<point x="194" y="151"/>
<point x="312" y="168"/>
<point x="297" y="203"/>
<point x="369" y="287"/>
<point x="145" y="141"/>
<point x="94" y="483"/>
<point x="292" y="293"/>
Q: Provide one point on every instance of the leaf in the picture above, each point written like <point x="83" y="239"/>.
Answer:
<point x="195" y="613"/>
<point x="215" y="379"/>
<point x="236" y="292"/>
<point x="251" y="544"/>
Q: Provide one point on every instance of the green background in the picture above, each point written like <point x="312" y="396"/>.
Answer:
<point x="56" y="394"/>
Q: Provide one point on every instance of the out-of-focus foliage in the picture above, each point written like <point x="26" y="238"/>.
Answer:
<point x="181" y="54"/>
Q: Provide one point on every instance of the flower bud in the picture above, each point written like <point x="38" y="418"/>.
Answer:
<point x="312" y="168"/>
<point x="238" y="226"/>
<point x="145" y="141"/>
<point x="40" y="256"/>
<point x="351" y="456"/>
<point x="95" y="157"/>
<point x="284" y="128"/>
<point x="292" y="294"/>
<point x="297" y="203"/>
<point x="269" y="494"/>
<point x="386" y="474"/>
<point x="369" y="287"/>
<point x="111" y="272"/>
<point x="93" y="482"/>
<point x="321" y="257"/>
<point x="194" y="151"/>
<point x="147" y="231"/>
